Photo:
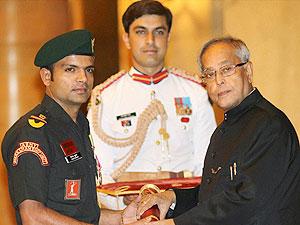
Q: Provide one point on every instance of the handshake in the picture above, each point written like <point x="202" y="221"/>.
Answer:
<point x="151" y="205"/>
<point x="153" y="201"/>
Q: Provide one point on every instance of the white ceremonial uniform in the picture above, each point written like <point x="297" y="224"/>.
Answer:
<point x="190" y="124"/>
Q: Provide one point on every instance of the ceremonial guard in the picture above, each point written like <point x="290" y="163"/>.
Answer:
<point x="150" y="122"/>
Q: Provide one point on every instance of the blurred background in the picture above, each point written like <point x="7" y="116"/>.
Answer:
<point x="270" y="28"/>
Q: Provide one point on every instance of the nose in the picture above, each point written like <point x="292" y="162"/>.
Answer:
<point x="219" y="78"/>
<point x="82" y="76"/>
<point x="150" y="38"/>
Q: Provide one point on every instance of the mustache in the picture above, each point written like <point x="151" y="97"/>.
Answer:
<point x="81" y="85"/>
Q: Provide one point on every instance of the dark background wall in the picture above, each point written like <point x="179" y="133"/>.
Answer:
<point x="100" y="16"/>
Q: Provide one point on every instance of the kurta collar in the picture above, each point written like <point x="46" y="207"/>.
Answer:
<point x="247" y="103"/>
<point x="147" y="79"/>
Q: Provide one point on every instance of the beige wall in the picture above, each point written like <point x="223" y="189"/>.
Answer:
<point x="270" y="28"/>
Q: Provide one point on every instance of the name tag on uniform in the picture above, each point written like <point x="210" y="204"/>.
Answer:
<point x="70" y="150"/>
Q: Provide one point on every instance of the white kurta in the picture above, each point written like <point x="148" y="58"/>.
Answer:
<point x="125" y="99"/>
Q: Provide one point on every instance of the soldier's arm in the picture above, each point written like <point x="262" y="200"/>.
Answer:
<point x="34" y="212"/>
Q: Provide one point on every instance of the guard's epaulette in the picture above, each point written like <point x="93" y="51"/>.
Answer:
<point x="37" y="121"/>
<point x="100" y="87"/>
<point x="109" y="81"/>
<point x="182" y="73"/>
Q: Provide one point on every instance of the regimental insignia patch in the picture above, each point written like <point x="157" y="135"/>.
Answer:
<point x="70" y="150"/>
<point x="37" y="121"/>
<point x="183" y="106"/>
<point x="30" y="147"/>
<point x="72" y="189"/>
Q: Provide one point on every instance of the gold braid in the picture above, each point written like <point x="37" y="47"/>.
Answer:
<point x="154" y="109"/>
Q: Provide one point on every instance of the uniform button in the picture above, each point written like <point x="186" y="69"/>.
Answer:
<point x="184" y="127"/>
<point x="213" y="155"/>
<point x="159" y="168"/>
<point x="208" y="180"/>
<point x="126" y="131"/>
<point x="157" y="142"/>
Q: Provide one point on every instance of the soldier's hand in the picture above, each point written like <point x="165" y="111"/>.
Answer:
<point x="127" y="199"/>
<point x="163" y="200"/>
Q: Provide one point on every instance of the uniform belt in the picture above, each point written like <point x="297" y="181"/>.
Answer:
<point x="137" y="176"/>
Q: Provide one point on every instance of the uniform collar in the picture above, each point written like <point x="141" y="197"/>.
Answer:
<point x="244" y="106"/>
<point x="147" y="79"/>
<point x="58" y="112"/>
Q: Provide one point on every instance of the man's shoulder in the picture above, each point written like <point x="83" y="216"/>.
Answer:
<point x="32" y="122"/>
<point x="269" y="117"/>
<point x="28" y="129"/>
<point x="109" y="82"/>
<point x="185" y="76"/>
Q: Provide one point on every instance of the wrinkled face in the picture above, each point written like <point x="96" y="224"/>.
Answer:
<point x="72" y="80"/>
<point x="148" y="41"/>
<point x="227" y="92"/>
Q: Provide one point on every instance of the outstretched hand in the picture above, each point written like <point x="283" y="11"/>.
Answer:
<point x="137" y="207"/>
<point x="163" y="200"/>
<point x="130" y="212"/>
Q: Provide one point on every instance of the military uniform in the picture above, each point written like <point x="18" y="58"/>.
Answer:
<point x="48" y="156"/>
<point x="251" y="171"/>
<point x="50" y="159"/>
<point x="189" y="124"/>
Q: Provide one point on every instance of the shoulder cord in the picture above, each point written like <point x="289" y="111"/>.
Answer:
<point x="184" y="74"/>
<point x="154" y="109"/>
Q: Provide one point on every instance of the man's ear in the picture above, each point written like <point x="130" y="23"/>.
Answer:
<point x="249" y="72"/>
<point x="45" y="76"/>
<point x="125" y="37"/>
<point x="169" y="36"/>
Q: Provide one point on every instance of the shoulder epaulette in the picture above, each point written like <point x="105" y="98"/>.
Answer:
<point x="182" y="73"/>
<point x="94" y="100"/>
<point x="109" y="81"/>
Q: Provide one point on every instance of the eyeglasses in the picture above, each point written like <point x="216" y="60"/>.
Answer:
<point x="225" y="71"/>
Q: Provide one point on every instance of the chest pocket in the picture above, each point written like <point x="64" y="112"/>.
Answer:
<point x="62" y="174"/>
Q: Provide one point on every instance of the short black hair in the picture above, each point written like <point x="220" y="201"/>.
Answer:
<point x="49" y="67"/>
<point x="145" y="7"/>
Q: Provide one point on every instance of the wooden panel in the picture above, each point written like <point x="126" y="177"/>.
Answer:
<point x="101" y="18"/>
<point x="25" y="25"/>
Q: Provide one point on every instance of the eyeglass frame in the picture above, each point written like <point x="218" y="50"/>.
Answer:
<point x="233" y="67"/>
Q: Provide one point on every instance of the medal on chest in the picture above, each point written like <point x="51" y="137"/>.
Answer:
<point x="183" y="106"/>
